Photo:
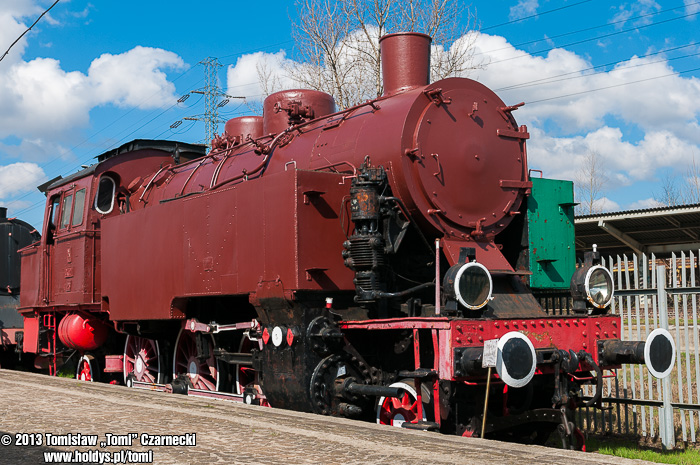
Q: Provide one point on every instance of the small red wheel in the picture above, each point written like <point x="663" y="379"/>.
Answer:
<point x="87" y="369"/>
<point x="395" y="411"/>
<point x="142" y="359"/>
<point x="203" y="374"/>
<point x="246" y="376"/>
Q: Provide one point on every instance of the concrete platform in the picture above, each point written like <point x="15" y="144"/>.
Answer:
<point x="226" y="432"/>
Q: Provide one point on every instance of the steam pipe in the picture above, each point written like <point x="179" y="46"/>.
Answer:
<point x="373" y="390"/>
<point x="390" y="295"/>
<point x="616" y="352"/>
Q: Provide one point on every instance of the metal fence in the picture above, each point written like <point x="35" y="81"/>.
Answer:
<point x="654" y="293"/>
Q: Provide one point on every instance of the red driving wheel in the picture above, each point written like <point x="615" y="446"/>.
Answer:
<point x="203" y="374"/>
<point x="142" y="359"/>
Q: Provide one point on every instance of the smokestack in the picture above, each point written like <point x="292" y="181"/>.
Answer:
<point x="405" y="61"/>
<point x="3" y="212"/>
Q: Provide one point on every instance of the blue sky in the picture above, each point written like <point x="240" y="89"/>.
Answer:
<point x="620" y="79"/>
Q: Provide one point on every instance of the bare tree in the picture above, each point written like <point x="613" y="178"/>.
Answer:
<point x="683" y="191"/>
<point x="692" y="182"/>
<point x="338" y="42"/>
<point x="591" y="182"/>
<point x="670" y="193"/>
<point x="269" y="81"/>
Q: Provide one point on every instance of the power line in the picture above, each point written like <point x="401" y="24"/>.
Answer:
<point x="54" y="159"/>
<point x="587" y="40"/>
<point x="535" y="15"/>
<point x="289" y="41"/>
<point x="552" y="79"/>
<point x="84" y="141"/>
<point x="613" y="86"/>
<point x="592" y="28"/>
<point x="29" y="29"/>
<point x="258" y="49"/>
<point x="87" y="161"/>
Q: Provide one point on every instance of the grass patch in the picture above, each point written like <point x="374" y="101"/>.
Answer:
<point x="66" y="371"/>
<point x="631" y="449"/>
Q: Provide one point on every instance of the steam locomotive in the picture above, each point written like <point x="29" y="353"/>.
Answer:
<point x="371" y="263"/>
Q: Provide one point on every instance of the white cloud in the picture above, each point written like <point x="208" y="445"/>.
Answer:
<point x="259" y="74"/>
<point x="19" y="177"/>
<point x="585" y="105"/>
<point x="10" y="30"/>
<point x="42" y="103"/>
<point x="40" y="98"/>
<point x="605" y="205"/>
<point x="691" y="6"/>
<point x="645" y="204"/>
<point x="523" y="8"/>
<point x="626" y="162"/>
<point x="134" y="78"/>
<point x="659" y="118"/>
<point x="635" y="9"/>
<point x="36" y="150"/>
<point x="663" y="113"/>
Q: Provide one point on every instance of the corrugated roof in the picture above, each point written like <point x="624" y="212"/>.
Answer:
<point x="659" y="230"/>
<point x="645" y="211"/>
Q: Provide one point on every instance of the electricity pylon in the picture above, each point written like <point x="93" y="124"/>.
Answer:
<point x="212" y="99"/>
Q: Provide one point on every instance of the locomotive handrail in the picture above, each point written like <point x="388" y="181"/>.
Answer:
<point x="145" y="189"/>
<point x="244" y="174"/>
<point x="217" y="170"/>
<point x="332" y="165"/>
<point x="267" y="150"/>
<point x="201" y="162"/>
<point x="76" y="233"/>
<point x="346" y="112"/>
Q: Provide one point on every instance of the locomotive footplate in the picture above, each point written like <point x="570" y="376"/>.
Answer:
<point x="458" y="344"/>
<point x="541" y="415"/>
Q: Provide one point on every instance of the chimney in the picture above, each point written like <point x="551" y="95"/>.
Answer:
<point x="405" y="61"/>
<point x="3" y="213"/>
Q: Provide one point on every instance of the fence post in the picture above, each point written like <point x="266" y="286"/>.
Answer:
<point x="668" y="434"/>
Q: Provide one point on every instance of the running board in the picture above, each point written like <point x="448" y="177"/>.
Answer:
<point x="245" y="398"/>
<point x="150" y="386"/>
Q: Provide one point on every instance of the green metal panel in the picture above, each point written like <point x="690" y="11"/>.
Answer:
<point x="550" y="215"/>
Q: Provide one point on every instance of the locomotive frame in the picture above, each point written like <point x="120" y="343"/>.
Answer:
<point x="349" y="263"/>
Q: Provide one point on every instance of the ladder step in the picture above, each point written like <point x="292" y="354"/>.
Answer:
<point x="419" y="373"/>
<point x="421" y="425"/>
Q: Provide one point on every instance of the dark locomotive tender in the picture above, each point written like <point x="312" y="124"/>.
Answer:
<point x="15" y="234"/>
<point x="347" y="263"/>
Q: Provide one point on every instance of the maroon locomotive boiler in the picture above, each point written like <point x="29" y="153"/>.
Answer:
<point x="347" y="263"/>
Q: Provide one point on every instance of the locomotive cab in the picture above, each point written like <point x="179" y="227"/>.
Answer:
<point x="66" y="263"/>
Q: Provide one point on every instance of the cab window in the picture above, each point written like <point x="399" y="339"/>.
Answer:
<point x="65" y="211"/>
<point x="53" y="217"/>
<point x="79" y="208"/>
<point x="104" y="200"/>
